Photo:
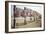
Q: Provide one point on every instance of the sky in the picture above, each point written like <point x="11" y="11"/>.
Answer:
<point x="35" y="8"/>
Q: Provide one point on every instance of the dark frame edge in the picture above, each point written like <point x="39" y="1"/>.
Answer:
<point x="6" y="17"/>
<point x="26" y="2"/>
<point x="44" y="16"/>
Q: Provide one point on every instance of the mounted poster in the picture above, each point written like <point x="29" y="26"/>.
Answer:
<point x="24" y="16"/>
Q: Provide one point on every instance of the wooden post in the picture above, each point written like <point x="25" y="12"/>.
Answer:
<point x="24" y="17"/>
<point x="14" y="8"/>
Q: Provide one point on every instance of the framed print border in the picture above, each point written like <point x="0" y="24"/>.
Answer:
<point x="7" y="16"/>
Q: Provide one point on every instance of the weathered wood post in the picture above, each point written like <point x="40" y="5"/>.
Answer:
<point x="14" y="8"/>
<point x="25" y="17"/>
